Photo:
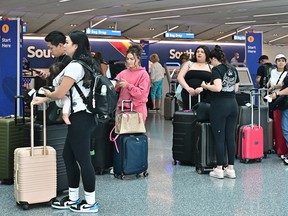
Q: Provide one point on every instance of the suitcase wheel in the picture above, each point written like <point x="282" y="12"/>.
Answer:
<point x="174" y="162"/>
<point x="199" y="170"/>
<point x="121" y="176"/>
<point x="246" y="160"/>
<point x="24" y="205"/>
<point x="145" y="174"/>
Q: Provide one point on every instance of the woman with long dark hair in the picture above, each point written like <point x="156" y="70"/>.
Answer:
<point x="223" y="111"/>
<point x="192" y="74"/>
<point x="134" y="82"/>
<point x="76" y="151"/>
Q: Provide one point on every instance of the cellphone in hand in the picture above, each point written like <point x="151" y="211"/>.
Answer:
<point x="116" y="79"/>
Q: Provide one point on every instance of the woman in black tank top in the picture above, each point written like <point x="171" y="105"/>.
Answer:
<point x="192" y="75"/>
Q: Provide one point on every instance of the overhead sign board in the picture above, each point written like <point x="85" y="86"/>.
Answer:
<point x="181" y="35"/>
<point x="102" y="32"/>
<point x="239" y="37"/>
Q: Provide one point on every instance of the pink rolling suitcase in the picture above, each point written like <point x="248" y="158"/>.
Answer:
<point x="251" y="145"/>
<point x="35" y="171"/>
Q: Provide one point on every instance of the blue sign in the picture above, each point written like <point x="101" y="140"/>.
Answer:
<point x="145" y="54"/>
<point x="10" y="65"/>
<point x="36" y="51"/>
<point x="253" y="50"/>
<point x="239" y="37"/>
<point x="102" y="32"/>
<point x="179" y="35"/>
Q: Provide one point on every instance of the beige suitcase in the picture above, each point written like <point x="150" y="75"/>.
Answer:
<point x="35" y="171"/>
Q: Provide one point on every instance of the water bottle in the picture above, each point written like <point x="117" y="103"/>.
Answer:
<point x="103" y="90"/>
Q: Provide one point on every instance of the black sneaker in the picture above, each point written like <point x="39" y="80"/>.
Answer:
<point x="85" y="207"/>
<point x="64" y="203"/>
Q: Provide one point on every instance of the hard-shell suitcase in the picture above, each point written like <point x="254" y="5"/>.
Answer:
<point x="183" y="150"/>
<point x="266" y="123"/>
<point x="250" y="142"/>
<point x="55" y="137"/>
<point x="12" y="136"/>
<point x="132" y="158"/>
<point x="205" y="153"/>
<point x="183" y="144"/>
<point x="242" y="98"/>
<point x="34" y="172"/>
<point x="280" y="142"/>
<point x="101" y="146"/>
<point x="170" y="105"/>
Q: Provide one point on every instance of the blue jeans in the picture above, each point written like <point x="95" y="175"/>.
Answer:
<point x="285" y="125"/>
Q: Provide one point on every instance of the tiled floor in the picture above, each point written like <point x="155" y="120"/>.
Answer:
<point x="260" y="188"/>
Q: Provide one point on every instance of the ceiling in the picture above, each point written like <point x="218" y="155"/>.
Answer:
<point x="205" y="18"/>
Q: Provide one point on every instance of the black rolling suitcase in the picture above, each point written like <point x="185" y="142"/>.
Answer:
<point x="183" y="144"/>
<point x="205" y="157"/>
<point x="132" y="158"/>
<point x="56" y="136"/>
<point x="102" y="147"/>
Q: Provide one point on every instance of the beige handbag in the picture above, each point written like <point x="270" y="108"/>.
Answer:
<point x="129" y="122"/>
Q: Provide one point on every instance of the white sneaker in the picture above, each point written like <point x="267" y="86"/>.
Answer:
<point x="285" y="161"/>
<point x="217" y="173"/>
<point x="229" y="173"/>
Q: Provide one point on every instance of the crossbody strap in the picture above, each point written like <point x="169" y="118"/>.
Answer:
<point x="280" y="77"/>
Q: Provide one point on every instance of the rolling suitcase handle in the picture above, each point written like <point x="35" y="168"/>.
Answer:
<point x="32" y="129"/>
<point x="190" y="101"/>
<point x="267" y="102"/>
<point x="126" y="101"/>
<point x="18" y="123"/>
<point x="253" y="93"/>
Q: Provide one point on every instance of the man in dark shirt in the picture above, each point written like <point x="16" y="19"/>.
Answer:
<point x="263" y="71"/>
<point x="55" y="42"/>
<point x="263" y="74"/>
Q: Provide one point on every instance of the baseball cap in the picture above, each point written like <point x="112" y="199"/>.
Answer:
<point x="279" y="56"/>
<point x="262" y="57"/>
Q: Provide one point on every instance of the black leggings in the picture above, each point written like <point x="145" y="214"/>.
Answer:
<point x="76" y="151"/>
<point x="223" y="117"/>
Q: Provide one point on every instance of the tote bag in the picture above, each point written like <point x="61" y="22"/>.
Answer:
<point x="129" y="122"/>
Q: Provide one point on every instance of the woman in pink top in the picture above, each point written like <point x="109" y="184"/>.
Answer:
<point x="134" y="82"/>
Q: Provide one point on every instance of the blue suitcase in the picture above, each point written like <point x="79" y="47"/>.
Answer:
<point x="132" y="158"/>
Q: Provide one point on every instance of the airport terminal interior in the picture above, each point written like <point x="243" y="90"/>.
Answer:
<point x="177" y="190"/>
<point x="170" y="189"/>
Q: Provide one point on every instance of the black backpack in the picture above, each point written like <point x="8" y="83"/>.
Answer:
<point x="102" y="105"/>
<point x="267" y="73"/>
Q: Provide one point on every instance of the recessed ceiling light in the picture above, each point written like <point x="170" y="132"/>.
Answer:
<point x="81" y="11"/>
<point x="186" y="8"/>
<point x="240" y="22"/>
<point x="274" y="14"/>
<point x="166" y="17"/>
